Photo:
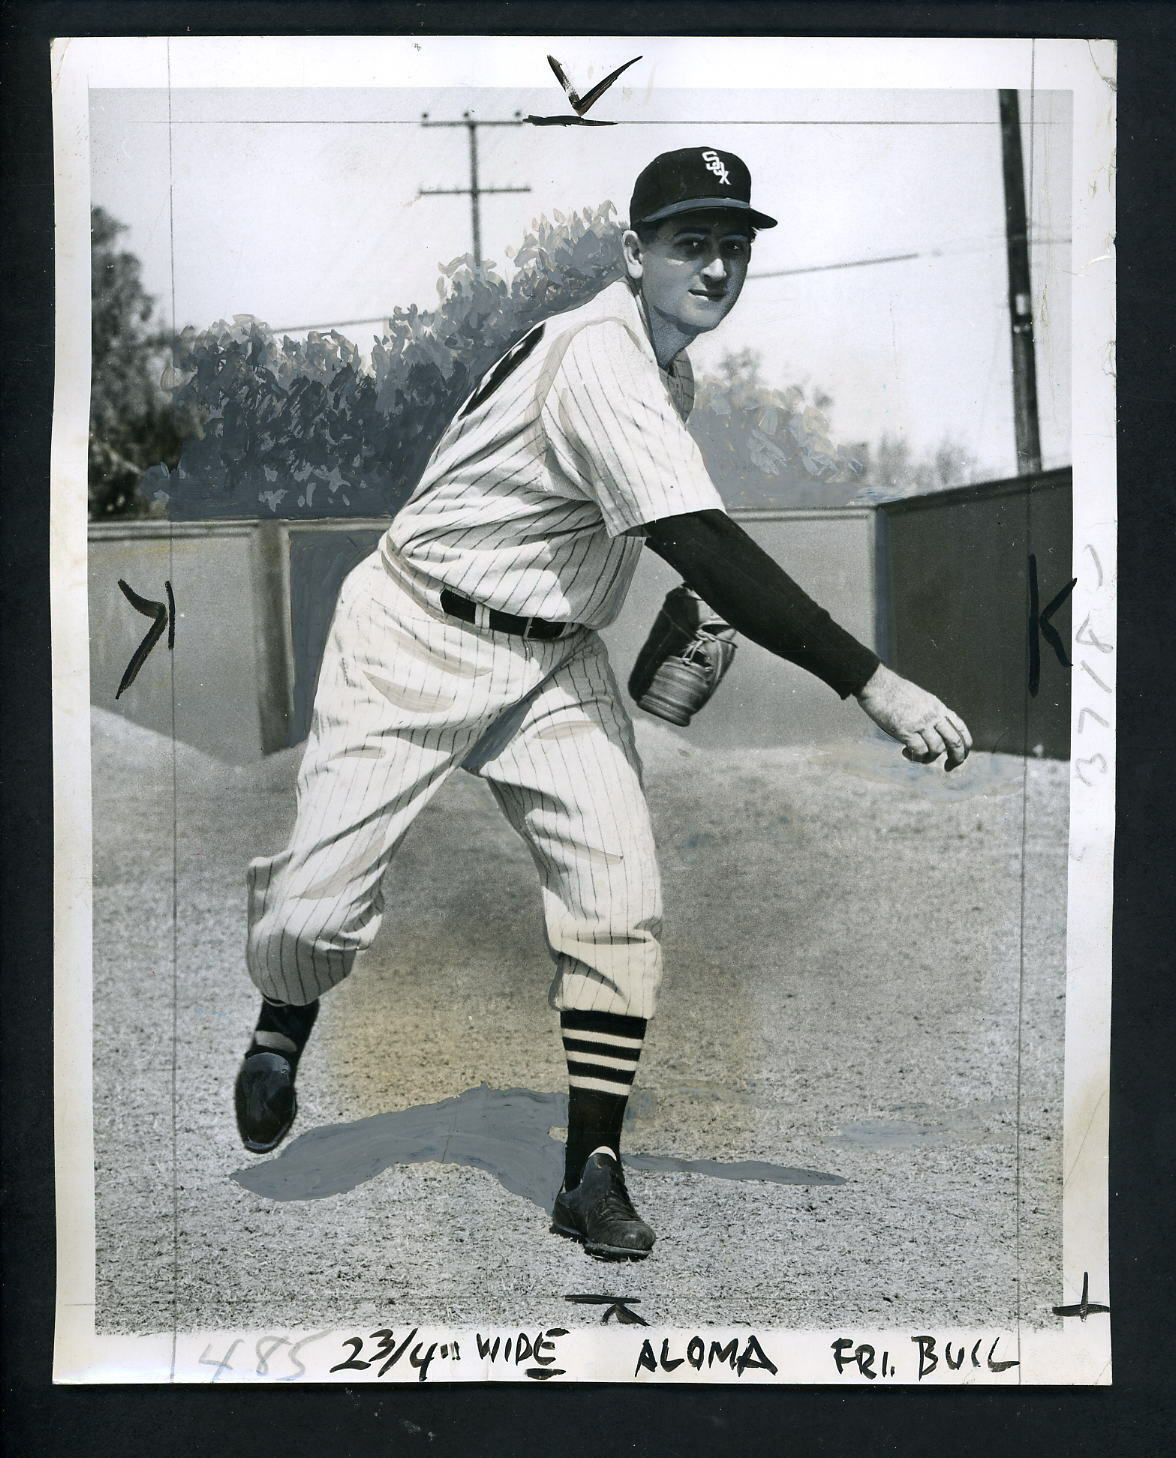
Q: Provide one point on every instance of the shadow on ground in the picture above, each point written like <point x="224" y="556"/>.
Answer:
<point x="502" y="1131"/>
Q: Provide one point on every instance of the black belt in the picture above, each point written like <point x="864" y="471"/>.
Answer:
<point x="467" y="611"/>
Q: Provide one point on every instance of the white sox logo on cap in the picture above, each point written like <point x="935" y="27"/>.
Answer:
<point x="714" y="164"/>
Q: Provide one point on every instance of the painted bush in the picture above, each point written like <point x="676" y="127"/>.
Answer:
<point x="294" y="428"/>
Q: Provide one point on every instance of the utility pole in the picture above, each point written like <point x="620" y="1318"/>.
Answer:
<point x="1020" y="297"/>
<point x="475" y="190"/>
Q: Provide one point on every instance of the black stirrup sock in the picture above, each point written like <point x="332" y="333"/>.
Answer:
<point x="602" y="1052"/>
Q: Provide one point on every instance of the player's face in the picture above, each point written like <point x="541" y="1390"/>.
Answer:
<point x="693" y="270"/>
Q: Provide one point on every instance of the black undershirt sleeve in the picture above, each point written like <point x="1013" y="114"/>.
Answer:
<point x="739" y="581"/>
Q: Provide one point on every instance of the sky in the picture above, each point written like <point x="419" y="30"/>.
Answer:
<point x="303" y="207"/>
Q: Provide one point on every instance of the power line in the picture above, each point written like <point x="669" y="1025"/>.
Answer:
<point x="950" y="250"/>
<point x="899" y="257"/>
<point x="474" y="191"/>
<point x="827" y="267"/>
<point x="337" y="324"/>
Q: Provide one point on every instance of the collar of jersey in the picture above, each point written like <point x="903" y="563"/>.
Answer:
<point x="636" y="309"/>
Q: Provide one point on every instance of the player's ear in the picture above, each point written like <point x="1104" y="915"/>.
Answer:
<point x="633" y="251"/>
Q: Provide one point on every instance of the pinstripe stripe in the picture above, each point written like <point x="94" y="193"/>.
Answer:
<point x="525" y="501"/>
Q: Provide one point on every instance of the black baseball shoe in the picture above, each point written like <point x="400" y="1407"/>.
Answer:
<point x="266" y="1101"/>
<point x="599" y="1214"/>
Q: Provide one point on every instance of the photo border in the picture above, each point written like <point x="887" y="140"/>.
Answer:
<point x="1143" y="1030"/>
<point x="1078" y="1353"/>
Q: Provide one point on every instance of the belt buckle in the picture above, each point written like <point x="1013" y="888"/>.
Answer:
<point x="527" y="627"/>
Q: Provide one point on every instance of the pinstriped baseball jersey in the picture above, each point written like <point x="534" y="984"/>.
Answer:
<point x="531" y="501"/>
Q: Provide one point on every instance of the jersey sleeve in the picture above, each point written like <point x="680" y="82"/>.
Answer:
<point x="615" y="430"/>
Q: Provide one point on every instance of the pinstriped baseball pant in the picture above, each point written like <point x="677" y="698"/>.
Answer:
<point x="406" y="695"/>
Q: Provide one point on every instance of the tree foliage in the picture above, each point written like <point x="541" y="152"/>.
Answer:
<point x="231" y="421"/>
<point x="133" y="424"/>
<point x="306" y="428"/>
<point x="893" y="471"/>
<point x="766" y="446"/>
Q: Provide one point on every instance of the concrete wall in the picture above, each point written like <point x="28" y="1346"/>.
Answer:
<point x="761" y="701"/>
<point x="246" y="664"/>
<point x="939" y="584"/>
<point x="211" y="568"/>
<point x="955" y="609"/>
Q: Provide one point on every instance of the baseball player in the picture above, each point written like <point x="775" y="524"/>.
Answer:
<point x="469" y="640"/>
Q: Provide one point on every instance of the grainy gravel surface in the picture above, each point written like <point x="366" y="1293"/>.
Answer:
<point x="865" y="978"/>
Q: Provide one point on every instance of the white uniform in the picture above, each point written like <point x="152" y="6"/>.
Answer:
<point x="531" y="505"/>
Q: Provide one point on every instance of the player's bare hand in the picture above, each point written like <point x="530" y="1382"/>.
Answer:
<point x="923" y="725"/>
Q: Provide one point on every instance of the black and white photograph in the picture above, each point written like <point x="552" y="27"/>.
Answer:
<point x="584" y="657"/>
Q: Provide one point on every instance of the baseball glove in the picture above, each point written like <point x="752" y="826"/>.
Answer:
<point x="683" y="660"/>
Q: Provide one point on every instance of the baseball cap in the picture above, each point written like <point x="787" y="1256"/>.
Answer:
<point x="693" y="179"/>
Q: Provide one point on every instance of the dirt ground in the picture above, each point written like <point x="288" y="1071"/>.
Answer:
<point x="865" y="980"/>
